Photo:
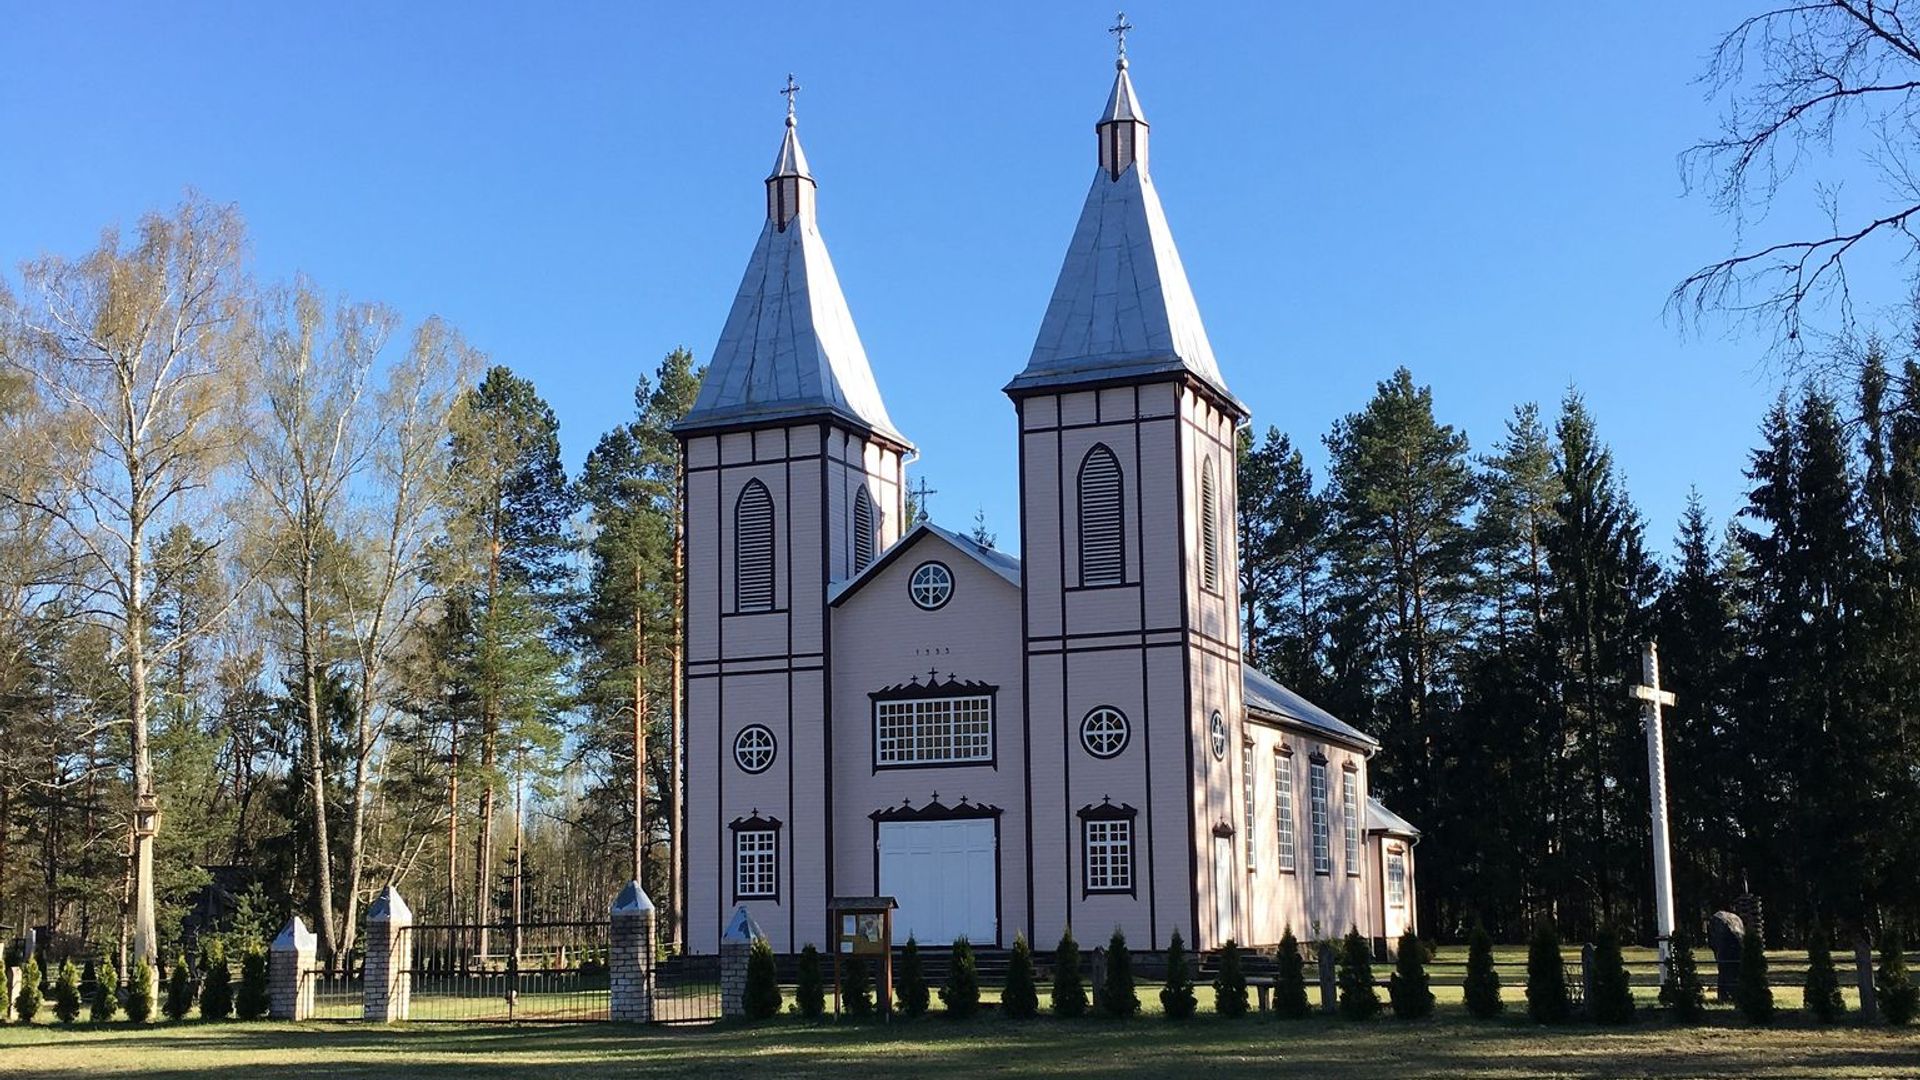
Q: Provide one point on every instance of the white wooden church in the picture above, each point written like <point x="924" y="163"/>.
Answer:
<point x="1007" y="746"/>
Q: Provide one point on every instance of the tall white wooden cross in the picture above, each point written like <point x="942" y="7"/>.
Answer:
<point x="1651" y="698"/>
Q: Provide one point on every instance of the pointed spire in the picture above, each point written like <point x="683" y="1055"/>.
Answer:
<point x="790" y="187"/>
<point x="1122" y="126"/>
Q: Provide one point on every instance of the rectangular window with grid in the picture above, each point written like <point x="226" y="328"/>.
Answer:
<point x="954" y="730"/>
<point x="1396" y="880"/>
<point x="1283" y="808"/>
<point x="756" y="863"/>
<point x="1246" y="800"/>
<point x="1350" y="820"/>
<point x="1317" y="807"/>
<point x="1109" y="856"/>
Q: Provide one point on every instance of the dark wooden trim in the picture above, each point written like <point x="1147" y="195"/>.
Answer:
<point x="1026" y="670"/>
<point x="756" y="823"/>
<point x="1193" y="780"/>
<point x="1106" y="811"/>
<point x="720" y="466"/>
<point x="1226" y="405"/>
<point x="1146" y="679"/>
<point x="935" y="810"/>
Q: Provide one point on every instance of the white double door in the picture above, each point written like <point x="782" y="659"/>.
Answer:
<point x="944" y="876"/>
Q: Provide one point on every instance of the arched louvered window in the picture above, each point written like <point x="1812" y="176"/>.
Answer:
<point x="862" y="529"/>
<point x="753" y="549"/>
<point x="1209" y="529"/>
<point x="1103" y="555"/>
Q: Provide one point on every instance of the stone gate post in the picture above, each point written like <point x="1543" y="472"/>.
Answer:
<point x="736" y="947"/>
<point x="630" y="963"/>
<point x="388" y="982"/>
<point x="288" y="961"/>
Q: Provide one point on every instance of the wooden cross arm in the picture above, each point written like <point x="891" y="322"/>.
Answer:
<point x="1648" y="693"/>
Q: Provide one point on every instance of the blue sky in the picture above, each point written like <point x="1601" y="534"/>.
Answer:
<point x="1486" y="194"/>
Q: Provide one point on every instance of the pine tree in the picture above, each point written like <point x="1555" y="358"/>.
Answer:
<point x="762" y="997"/>
<point x="1176" y="998"/>
<point x="253" y="1001"/>
<point x="1409" y="988"/>
<point x="1682" y="992"/>
<point x="1547" y="1000"/>
<point x="216" y="982"/>
<point x="1020" y="999"/>
<point x="961" y="994"/>
<point x="1230" y="983"/>
<point x="809" y="991"/>
<point x="179" y="990"/>
<point x="1359" y="999"/>
<point x="1069" y="995"/>
<point x="1290" y="985"/>
<point x="1117" y="996"/>
<point x="1612" y="991"/>
<point x="1482" y="985"/>
<point x="106" y="995"/>
<point x="856" y="988"/>
<point x="1283" y="554"/>
<point x="26" y="1004"/>
<point x="1898" y="994"/>
<point x="1752" y="994"/>
<point x="140" y="992"/>
<point x="67" y="1000"/>
<point x="914" y="995"/>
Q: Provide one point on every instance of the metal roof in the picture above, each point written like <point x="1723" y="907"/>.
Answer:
<point x="1382" y="820"/>
<point x="1121" y="102"/>
<point x="1262" y="694"/>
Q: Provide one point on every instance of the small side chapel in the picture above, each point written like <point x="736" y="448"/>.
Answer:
<point x="1005" y="745"/>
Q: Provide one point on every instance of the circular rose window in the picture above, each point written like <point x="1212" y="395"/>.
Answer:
<point x="753" y="748"/>
<point x="931" y="586"/>
<point x="1104" y="732"/>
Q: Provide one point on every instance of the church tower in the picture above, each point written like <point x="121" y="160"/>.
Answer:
<point x="1131" y="626"/>
<point x="794" y="481"/>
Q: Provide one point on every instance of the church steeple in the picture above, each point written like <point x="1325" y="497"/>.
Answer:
<point x="790" y="187"/>
<point x="1122" y="127"/>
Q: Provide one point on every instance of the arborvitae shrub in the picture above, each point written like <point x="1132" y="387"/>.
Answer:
<point x="1069" y="995"/>
<point x="255" y="997"/>
<point x="1547" y="1001"/>
<point x="1482" y="985"/>
<point x="1230" y="983"/>
<point x="26" y="1005"/>
<point x="809" y="992"/>
<point x="763" y="982"/>
<point x="1899" y="996"/>
<point x="1612" y="993"/>
<point x="1683" y="994"/>
<point x="1290" y="986"/>
<point x="1117" y="996"/>
<point x="140" y="992"/>
<point x="1021" y="998"/>
<point x="106" y="996"/>
<point x="961" y="994"/>
<point x="216" y="982"/>
<point x="1359" y="1000"/>
<point x="1410" y="988"/>
<point x="179" y="991"/>
<point x="1752" y="994"/>
<point x="1176" y="998"/>
<point x="67" y="1001"/>
<point x="856" y="988"/>
<point x="913" y="981"/>
<point x="1822" y="999"/>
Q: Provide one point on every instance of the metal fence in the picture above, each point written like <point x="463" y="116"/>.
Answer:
<point x="534" y="972"/>
<point x="686" y="990"/>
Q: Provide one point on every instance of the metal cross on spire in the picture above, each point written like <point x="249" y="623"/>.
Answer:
<point x="1652" y="699"/>
<point x="792" y="89"/>
<point x="922" y="495"/>
<point x="1119" y="31"/>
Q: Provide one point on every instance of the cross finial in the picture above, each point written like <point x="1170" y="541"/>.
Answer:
<point x="922" y="495"/>
<point x="1119" y="31"/>
<point x="792" y="89"/>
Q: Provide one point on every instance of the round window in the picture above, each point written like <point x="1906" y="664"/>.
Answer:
<point x="1104" y="732"/>
<point x="753" y="748"/>
<point x="931" y="586"/>
<point x="1217" y="732"/>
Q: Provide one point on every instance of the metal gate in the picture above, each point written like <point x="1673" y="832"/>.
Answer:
<point x="529" y="972"/>
<point x="686" y="990"/>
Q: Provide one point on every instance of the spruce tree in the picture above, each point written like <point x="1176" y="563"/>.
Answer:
<point x="1752" y="994"/>
<point x="1020" y="1000"/>
<point x="1290" y="986"/>
<point x="1547" y="1000"/>
<point x="179" y="990"/>
<point x="67" y="1000"/>
<point x="856" y="988"/>
<point x="1069" y="994"/>
<point x="1682" y="992"/>
<point x="1230" y="983"/>
<point x="140" y="992"/>
<point x="914" y="994"/>
<point x="810" y="991"/>
<point x="762" y="997"/>
<point x="1117" y="996"/>
<point x="1821" y="998"/>
<point x="1409" y="988"/>
<point x="1612" y="991"/>
<point x="1899" y="995"/>
<point x="1482" y="986"/>
<point x="961" y="994"/>
<point x="216" y="982"/>
<point x="26" y="1004"/>
<point x="106" y="995"/>
<point x="253" y="1000"/>
<point x="1359" y="999"/>
<point x="1176" y="998"/>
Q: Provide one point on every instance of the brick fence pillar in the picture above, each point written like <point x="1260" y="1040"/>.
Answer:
<point x="288" y="961"/>
<point x="388" y="973"/>
<point x="736" y="946"/>
<point x="630" y="964"/>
